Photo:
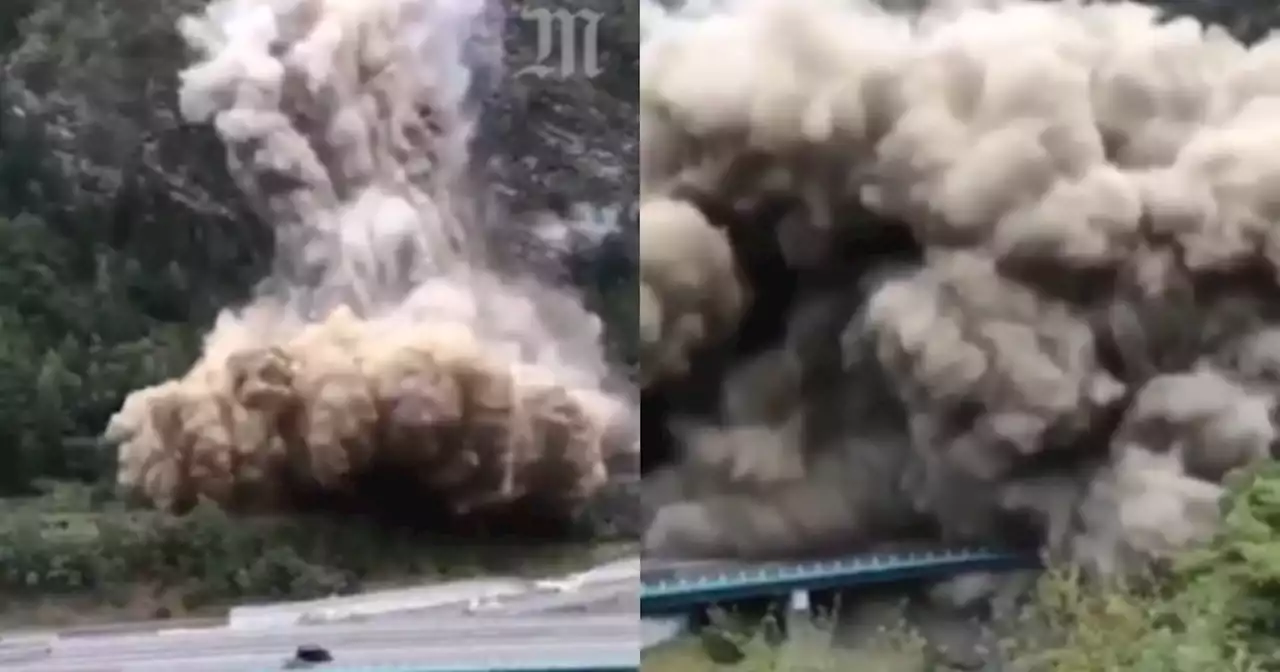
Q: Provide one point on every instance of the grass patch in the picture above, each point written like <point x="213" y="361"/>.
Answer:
<point x="732" y="643"/>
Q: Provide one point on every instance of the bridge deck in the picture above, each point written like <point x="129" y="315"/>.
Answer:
<point x="669" y="588"/>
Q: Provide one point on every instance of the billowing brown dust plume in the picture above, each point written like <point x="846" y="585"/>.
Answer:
<point x="383" y="348"/>
<point x="983" y="273"/>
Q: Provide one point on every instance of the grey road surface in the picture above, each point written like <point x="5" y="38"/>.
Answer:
<point x="473" y="643"/>
<point x="585" y="620"/>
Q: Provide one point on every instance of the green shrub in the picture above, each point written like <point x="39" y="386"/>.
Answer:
<point x="1214" y="610"/>
<point x="209" y="557"/>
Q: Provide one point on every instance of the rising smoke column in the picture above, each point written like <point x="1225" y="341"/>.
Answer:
<point x="1010" y="268"/>
<point x="383" y="344"/>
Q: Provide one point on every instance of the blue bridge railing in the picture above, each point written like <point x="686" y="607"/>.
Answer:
<point x="682" y="588"/>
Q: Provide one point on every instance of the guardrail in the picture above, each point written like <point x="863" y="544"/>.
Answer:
<point x="682" y="588"/>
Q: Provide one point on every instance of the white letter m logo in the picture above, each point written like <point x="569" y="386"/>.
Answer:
<point x="559" y="35"/>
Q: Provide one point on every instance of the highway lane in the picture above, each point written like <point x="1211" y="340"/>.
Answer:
<point x="587" y="619"/>
<point x="461" y="643"/>
<point x="447" y="631"/>
<point x="572" y="653"/>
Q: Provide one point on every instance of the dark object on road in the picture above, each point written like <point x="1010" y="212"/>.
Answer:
<point x="308" y="655"/>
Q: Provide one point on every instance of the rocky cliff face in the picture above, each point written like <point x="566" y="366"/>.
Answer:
<point x="89" y="89"/>
<point x="567" y="136"/>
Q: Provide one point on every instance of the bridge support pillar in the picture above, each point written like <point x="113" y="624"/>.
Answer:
<point x="804" y="634"/>
<point x="799" y="612"/>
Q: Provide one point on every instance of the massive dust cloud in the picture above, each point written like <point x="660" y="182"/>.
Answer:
<point x="997" y="272"/>
<point x="384" y="357"/>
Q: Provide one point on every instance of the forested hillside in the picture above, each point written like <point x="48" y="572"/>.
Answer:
<point x="122" y="236"/>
